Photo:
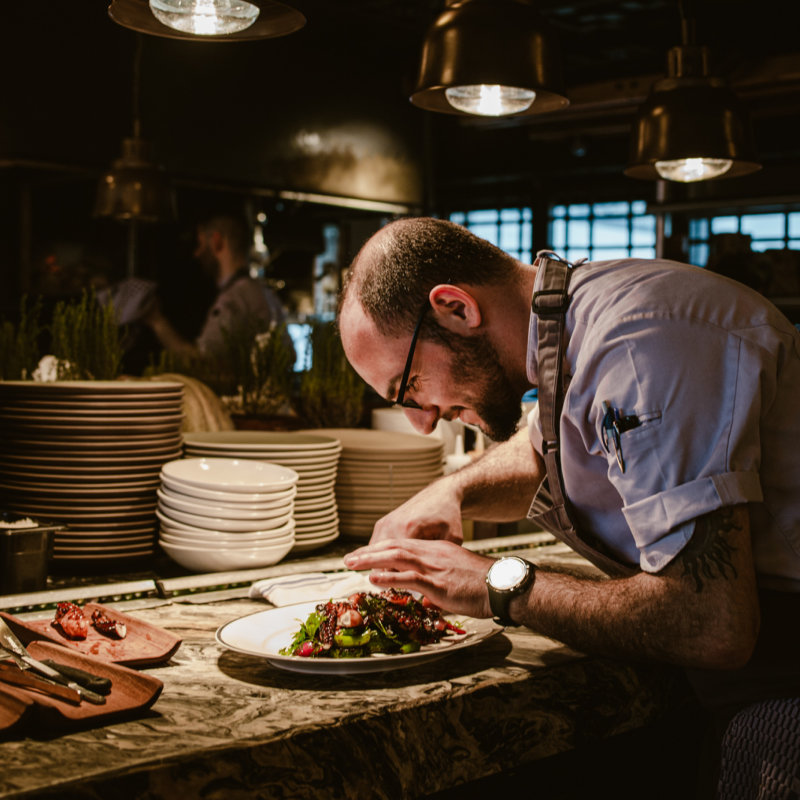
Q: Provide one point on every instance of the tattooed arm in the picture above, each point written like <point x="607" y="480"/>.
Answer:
<point x="701" y="611"/>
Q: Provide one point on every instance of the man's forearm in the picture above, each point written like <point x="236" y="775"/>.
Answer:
<point x="500" y="485"/>
<point x="701" y="611"/>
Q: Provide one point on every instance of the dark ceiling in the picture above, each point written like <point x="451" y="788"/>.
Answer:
<point x="67" y="74"/>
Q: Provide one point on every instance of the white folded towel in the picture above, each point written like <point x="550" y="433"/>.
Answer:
<point x="310" y="586"/>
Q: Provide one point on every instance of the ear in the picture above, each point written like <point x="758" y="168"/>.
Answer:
<point x="455" y="308"/>
<point x="216" y="241"/>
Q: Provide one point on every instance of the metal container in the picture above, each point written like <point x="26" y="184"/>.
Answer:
<point x="25" y="553"/>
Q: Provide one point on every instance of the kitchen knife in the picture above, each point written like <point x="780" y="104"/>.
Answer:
<point x="27" y="680"/>
<point x="18" y="652"/>
<point x="95" y="683"/>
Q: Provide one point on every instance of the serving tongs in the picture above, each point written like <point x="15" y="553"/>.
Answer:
<point x="24" y="662"/>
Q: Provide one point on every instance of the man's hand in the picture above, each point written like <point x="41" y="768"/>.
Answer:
<point x="433" y="513"/>
<point x="450" y="576"/>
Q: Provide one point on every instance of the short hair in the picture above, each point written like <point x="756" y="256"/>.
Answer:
<point x="397" y="267"/>
<point x="234" y="229"/>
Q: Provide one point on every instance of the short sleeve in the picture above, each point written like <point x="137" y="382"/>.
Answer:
<point x="694" y="444"/>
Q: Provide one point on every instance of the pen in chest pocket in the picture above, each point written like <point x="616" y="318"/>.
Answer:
<point x="614" y="425"/>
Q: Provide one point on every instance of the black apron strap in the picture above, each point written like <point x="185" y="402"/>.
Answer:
<point x="552" y="510"/>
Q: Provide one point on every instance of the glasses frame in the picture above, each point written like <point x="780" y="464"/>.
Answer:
<point x="401" y="394"/>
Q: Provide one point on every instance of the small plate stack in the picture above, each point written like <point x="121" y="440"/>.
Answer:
<point x="378" y="471"/>
<point x="313" y="457"/>
<point x="88" y="454"/>
<point x="221" y="514"/>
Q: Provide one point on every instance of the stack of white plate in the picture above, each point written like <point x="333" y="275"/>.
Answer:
<point x="88" y="454"/>
<point x="313" y="457"/>
<point x="224" y="513"/>
<point x="378" y="471"/>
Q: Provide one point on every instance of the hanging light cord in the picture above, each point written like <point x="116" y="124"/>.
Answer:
<point x="688" y="22"/>
<point x="137" y="70"/>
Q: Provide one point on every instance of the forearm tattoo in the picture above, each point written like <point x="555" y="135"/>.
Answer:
<point x="708" y="554"/>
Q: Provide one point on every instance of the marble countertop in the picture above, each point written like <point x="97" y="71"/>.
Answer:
<point x="229" y="725"/>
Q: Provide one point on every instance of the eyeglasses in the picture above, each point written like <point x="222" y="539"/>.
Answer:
<point x="407" y="371"/>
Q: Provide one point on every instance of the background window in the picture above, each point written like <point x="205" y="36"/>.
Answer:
<point x="600" y="231"/>
<point x="510" y="229"/>
<point x="763" y="230"/>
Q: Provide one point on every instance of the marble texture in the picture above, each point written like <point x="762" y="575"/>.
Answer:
<point x="231" y="726"/>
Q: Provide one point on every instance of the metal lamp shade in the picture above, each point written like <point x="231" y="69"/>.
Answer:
<point x="504" y="42"/>
<point x="691" y="118"/>
<point x="135" y="188"/>
<point x="274" y="19"/>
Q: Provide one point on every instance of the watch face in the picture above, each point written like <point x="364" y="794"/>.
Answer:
<point x="507" y="573"/>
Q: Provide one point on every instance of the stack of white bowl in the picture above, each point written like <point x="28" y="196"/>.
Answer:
<point x="313" y="457"/>
<point x="378" y="471"/>
<point x="220" y="514"/>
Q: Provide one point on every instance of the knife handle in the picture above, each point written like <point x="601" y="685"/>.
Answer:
<point x="86" y="679"/>
<point x="20" y="677"/>
<point x="55" y="675"/>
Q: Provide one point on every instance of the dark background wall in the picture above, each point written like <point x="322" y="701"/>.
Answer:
<point x="325" y="110"/>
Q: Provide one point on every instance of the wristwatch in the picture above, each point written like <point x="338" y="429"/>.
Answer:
<point x="507" y="578"/>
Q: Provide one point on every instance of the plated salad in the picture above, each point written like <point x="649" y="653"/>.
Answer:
<point x="367" y="623"/>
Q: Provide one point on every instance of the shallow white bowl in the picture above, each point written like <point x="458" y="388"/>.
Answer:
<point x="219" y="559"/>
<point x="230" y="474"/>
<point x="277" y="500"/>
<point x="223" y="540"/>
<point x="194" y="521"/>
<point x="201" y="509"/>
<point x="214" y="495"/>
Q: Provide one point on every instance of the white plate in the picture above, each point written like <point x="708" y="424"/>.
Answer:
<point x="287" y="441"/>
<point x="273" y="456"/>
<point x="80" y="488"/>
<point x="306" y="546"/>
<point x="230" y="474"/>
<point x="367" y="442"/>
<point x="219" y="559"/>
<point x="91" y="388"/>
<point x="315" y="503"/>
<point x="65" y="451"/>
<point x="264" y="633"/>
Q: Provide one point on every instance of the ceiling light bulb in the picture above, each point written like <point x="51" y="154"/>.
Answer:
<point x="689" y="170"/>
<point x="490" y="100"/>
<point x="205" y="17"/>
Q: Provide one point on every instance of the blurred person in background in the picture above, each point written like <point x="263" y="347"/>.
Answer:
<point x="223" y="249"/>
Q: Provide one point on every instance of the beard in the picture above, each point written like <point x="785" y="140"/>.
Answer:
<point x="491" y="392"/>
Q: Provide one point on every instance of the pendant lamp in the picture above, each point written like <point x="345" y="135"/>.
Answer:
<point x="208" y="20"/>
<point x="692" y="126"/>
<point x="136" y="187"/>
<point x="490" y="58"/>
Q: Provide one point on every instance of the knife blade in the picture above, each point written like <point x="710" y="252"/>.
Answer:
<point x="27" y="680"/>
<point x="20" y="655"/>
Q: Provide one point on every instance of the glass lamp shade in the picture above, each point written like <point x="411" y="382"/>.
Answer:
<point x="689" y="170"/>
<point x="691" y="129"/>
<point x="208" y="20"/>
<point x="135" y="187"/>
<point x="205" y="17"/>
<point x="490" y="101"/>
<point x="501" y="49"/>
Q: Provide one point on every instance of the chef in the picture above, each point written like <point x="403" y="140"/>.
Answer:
<point x="667" y="429"/>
